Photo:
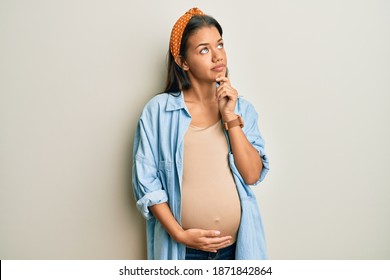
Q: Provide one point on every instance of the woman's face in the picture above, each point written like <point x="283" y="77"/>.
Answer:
<point x="206" y="58"/>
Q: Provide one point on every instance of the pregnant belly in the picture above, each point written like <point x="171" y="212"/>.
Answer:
<point x="219" y="210"/>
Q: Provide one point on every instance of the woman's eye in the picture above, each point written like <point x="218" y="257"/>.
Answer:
<point x="205" y="50"/>
<point x="220" y="46"/>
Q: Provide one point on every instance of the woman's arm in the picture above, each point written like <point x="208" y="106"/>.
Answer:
<point x="206" y="240"/>
<point x="246" y="157"/>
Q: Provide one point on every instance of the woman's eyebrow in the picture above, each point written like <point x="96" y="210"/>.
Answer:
<point x="206" y="44"/>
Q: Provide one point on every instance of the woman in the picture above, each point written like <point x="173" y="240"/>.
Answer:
<point x="197" y="149"/>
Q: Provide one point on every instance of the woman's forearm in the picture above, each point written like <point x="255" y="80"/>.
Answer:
<point x="164" y="215"/>
<point x="246" y="157"/>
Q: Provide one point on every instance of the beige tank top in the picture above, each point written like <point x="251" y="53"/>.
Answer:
<point x="209" y="194"/>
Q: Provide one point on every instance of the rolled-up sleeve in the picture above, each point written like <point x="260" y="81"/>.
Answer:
<point x="147" y="186"/>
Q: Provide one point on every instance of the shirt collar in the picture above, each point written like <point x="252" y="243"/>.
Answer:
<point x="175" y="102"/>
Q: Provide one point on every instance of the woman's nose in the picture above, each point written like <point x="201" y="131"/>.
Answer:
<point x="217" y="57"/>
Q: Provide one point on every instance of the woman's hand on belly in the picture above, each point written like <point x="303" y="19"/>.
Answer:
<point x="200" y="239"/>
<point x="205" y="240"/>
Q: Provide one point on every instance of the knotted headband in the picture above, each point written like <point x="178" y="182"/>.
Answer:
<point x="178" y="29"/>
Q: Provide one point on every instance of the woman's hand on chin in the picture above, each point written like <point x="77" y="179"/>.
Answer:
<point x="227" y="98"/>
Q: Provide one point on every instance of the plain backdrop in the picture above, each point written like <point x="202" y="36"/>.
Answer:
<point x="75" y="75"/>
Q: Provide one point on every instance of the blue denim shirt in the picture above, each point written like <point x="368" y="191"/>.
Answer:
<point x="158" y="169"/>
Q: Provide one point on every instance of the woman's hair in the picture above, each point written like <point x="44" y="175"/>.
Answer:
<point x="177" y="78"/>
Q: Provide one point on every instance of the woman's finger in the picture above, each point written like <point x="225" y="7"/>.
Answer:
<point x="223" y="80"/>
<point x="216" y="246"/>
<point x="226" y="87"/>
<point x="232" y="95"/>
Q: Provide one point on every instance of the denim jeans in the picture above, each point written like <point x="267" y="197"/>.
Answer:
<point x="227" y="253"/>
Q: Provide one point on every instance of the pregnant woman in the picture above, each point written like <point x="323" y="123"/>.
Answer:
<point x="197" y="150"/>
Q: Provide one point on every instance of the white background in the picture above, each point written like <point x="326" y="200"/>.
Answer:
<point x="75" y="75"/>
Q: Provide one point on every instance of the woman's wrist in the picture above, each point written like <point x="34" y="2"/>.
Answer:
<point x="178" y="235"/>
<point x="229" y="117"/>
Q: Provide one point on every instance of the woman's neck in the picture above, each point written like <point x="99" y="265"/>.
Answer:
<point x="201" y="93"/>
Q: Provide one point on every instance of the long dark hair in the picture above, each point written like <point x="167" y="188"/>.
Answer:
<point x="177" y="78"/>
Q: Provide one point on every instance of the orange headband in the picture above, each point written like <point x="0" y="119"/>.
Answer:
<point x="178" y="29"/>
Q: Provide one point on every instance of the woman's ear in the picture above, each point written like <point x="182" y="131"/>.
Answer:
<point x="182" y="63"/>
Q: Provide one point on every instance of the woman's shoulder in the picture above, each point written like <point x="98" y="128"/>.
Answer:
<point x="158" y="103"/>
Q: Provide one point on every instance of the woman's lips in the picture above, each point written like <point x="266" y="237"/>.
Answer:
<point x="219" y="68"/>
